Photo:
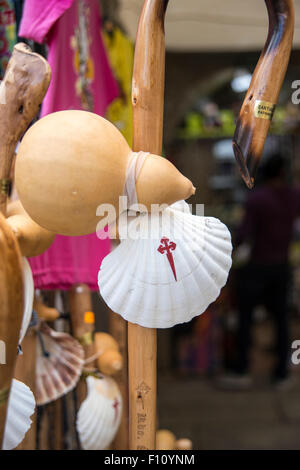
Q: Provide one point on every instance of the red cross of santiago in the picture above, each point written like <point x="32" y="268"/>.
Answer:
<point x="167" y="247"/>
<point x="116" y="408"/>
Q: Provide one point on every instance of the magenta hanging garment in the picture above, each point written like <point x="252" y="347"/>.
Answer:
<point x="81" y="79"/>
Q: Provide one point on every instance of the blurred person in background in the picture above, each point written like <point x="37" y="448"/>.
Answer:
<point x="267" y="227"/>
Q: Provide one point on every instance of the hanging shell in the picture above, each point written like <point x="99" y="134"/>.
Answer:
<point x="168" y="267"/>
<point x="60" y="359"/>
<point x="28" y="298"/>
<point x="100" y="413"/>
<point x="21" y="406"/>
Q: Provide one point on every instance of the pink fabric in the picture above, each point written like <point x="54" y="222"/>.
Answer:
<point x="39" y="16"/>
<point x="71" y="259"/>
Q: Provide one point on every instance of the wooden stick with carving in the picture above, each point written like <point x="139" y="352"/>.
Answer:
<point x="21" y="92"/>
<point x="118" y="329"/>
<point x="260" y="101"/>
<point x="148" y="101"/>
<point x="25" y="372"/>
<point x="11" y="311"/>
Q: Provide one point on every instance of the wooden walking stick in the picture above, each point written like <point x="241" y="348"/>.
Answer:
<point x="260" y="101"/>
<point x="25" y="372"/>
<point x="118" y="329"/>
<point x="32" y="240"/>
<point x="83" y="326"/>
<point x="24" y="85"/>
<point x="11" y="310"/>
<point x="148" y="101"/>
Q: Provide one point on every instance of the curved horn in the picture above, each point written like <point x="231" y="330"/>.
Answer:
<point x="260" y="101"/>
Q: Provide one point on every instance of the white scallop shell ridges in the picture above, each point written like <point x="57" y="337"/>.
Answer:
<point x="21" y="406"/>
<point x="28" y="298"/>
<point x="59" y="372"/>
<point x="99" y="416"/>
<point x="170" y="276"/>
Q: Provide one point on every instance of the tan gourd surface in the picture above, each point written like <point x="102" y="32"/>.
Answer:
<point x="184" y="444"/>
<point x="70" y="162"/>
<point x="44" y="312"/>
<point x="160" y="182"/>
<point x="22" y="90"/>
<point x="110" y="362"/>
<point x="165" y="440"/>
<point x="15" y="208"/>
<point x="11" y="310"/>
<point x="33" y="239"/>
<point x="104" y="341"/>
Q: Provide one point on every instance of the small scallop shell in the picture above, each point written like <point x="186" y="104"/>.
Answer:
<point x="21" y="406"/>
<point x="99" y="416"/>
<point x="28" y="298"/>
<point x="60" y="359"/>
<point x="168" y="267"/>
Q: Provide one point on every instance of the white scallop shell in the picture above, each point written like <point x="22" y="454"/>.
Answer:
<point x="21" y="406"/>
<point x="181" y="206"/>
<point x="59" y="372"/>
<point x="28" y="298"/>
<point x="157" y="283"/>
<point x="99" y="415"/>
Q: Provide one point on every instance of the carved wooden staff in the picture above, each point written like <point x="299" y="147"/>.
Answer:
<point x="260" y="101"/>
<point x="118" y="329"/>
<point x="25" y="372"/>
<point x="11" y="310"/>
<point x="83" y="326"/>
<point x="148" y="101"/>
<point x="25" y="83"/>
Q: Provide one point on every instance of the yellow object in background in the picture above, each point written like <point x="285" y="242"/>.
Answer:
<point x="120" y="52"/>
